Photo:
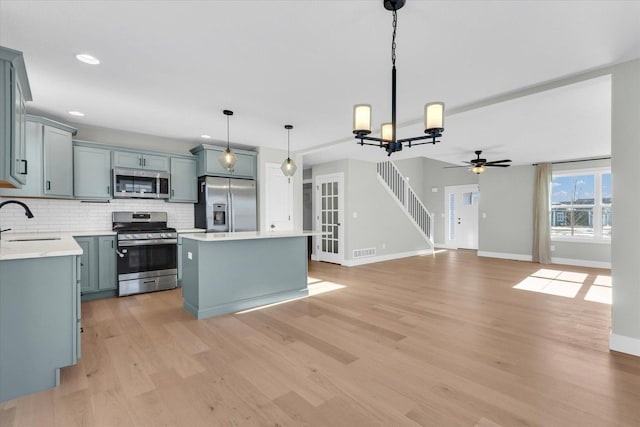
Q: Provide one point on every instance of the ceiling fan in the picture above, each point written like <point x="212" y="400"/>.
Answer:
<point x="478" y="165"/>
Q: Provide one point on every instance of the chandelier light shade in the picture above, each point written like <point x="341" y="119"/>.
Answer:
<point x="477" y="169"/>
<point x="228" y="158"/>
<point x="362" y="119"/>
<point x="433" y="111"/>
<point x="288" y="167"/>
<point x="434" y="117"/>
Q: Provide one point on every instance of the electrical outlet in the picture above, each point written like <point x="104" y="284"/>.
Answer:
<point x="189" y="255"/>
<point x="384" y="246"/>
<point x="355" y="215"/>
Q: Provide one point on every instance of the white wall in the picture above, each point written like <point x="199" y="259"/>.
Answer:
<point x="270" y="155"/>
<point x="73" y="215"/>
<point x="625" y="152"/>
<point x="379" y="222"/>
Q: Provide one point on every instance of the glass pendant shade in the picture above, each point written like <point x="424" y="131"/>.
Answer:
<point x="228" y="159"/>
<point x="386" y="131"/>
<point x="434" y="117"/>
<point x="362" y="119"/>
<point x="289" y="167"/>
<point x="477" y="169"/>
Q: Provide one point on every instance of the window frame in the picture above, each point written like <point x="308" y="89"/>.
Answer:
<point x="597" y="206"/>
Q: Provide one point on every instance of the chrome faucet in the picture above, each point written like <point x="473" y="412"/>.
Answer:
<point x="27" y="212"/>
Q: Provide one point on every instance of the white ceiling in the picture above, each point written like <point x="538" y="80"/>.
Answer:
<point x="169" y="68"/>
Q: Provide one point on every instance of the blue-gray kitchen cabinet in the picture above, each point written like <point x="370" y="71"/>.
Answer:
<point x="98" y="266"/>
<point x="57" y="161"/>
<point x="184" y="182"/>
<point x="39" y="323"/>
<point x="91" y="173"/>
<point x="208" y="162"/>
<point x="135" y="160"/>
<point x="14" y="92"/>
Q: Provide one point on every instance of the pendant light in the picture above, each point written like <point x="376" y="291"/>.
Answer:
<point x="288" y="166"/>
<point x="433" y="111"/>
<point x="228" y="158"/>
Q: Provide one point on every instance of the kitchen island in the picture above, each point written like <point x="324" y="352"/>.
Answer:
<point x="230" y="272"/>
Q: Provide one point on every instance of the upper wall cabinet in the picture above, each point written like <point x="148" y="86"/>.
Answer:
<point x="14" y="92"/>
<point x="132" y="160"/>
<point x="49" y="156"/>
<point x="184" y="182"/>
<point x="91" y="172"/>
<point x="209" y="164"/>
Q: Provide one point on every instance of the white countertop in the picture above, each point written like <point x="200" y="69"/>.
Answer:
<point x="248" y="235"/>
<point x="191" y="230"/>
<point x="35" y="245"/>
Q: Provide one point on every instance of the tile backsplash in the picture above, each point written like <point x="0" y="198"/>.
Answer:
<point x="74" y="215"/>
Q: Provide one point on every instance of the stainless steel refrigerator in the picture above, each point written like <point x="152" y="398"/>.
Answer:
<point x="226" y="204"/>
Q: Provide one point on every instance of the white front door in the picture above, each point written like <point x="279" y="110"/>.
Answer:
<point x="461" y="202"/>
<point x="279" y="199"/>
<point x="329" y="217"/>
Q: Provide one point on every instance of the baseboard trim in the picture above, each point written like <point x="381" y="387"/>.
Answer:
<point x="581" y="263"/>
<point x="505" y="255"/>
<point x="624" y="344"/>
<point x="371" y="260"/>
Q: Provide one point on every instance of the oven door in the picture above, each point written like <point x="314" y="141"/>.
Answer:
<point x="146" y="258"/>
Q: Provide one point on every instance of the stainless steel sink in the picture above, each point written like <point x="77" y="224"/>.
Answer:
<point x="33" y="239"/>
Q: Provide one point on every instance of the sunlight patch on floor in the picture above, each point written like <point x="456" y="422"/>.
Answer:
<point x="554" y="282"/>
<point x="315" y="287"/>
<point x="602" y="281"/>
<point x="601" y="294"/>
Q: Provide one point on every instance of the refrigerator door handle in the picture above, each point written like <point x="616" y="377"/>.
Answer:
<point x="232" y="213"/>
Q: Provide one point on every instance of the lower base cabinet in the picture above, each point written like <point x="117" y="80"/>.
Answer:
<point x="39" y="323"/>
<point x="98" y="266"/>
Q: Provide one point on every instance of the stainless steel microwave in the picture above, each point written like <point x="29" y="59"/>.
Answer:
<point x="134" y="183"/>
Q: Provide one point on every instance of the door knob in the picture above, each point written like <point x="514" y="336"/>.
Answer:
<point x="273" y="226"/>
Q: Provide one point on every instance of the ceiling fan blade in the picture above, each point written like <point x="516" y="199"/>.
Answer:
<point x="497" y="161"/>
<point x="451" y="167"/>
<point x="497" y="166"/>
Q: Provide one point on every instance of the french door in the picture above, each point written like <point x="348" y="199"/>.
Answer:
<point x="329" y="217"/>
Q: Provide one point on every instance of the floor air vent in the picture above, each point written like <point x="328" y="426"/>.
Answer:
<point x="364" y="253"/>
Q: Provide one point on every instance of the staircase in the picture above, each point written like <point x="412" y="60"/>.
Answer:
<point x="402" y="192"/>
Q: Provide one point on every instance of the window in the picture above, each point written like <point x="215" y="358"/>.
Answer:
<point x="581" y="205"/>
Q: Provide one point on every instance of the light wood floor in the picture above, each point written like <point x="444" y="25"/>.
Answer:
<point x="442" y="341"/>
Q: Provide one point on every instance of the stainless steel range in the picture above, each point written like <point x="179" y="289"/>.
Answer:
<point x="146" y="252"/>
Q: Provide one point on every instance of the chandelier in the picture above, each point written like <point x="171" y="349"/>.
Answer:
<point x="433" y="111"/>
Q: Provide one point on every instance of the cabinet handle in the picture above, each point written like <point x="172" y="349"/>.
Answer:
<point x="48" y="185"/>
<point x="144" y="162"/>
<point x="108" y="189"/>
<point x="140" y="161"/>
<point x="172" y="192"/>
<point x="25" y="167"/>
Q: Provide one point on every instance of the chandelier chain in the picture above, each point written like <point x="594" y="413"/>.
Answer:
<point x="393" y="39"/>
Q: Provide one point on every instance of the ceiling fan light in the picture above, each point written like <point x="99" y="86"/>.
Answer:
<point x="362" y="119"/>
<point x="386" y="131"/>
<point x="477" y="169"/>
<point x="434" y="117"/>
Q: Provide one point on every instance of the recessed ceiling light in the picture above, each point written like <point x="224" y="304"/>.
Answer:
<point x="87" y="59"/>
<point x="205" y="136"/>
<point x="76" y="113"/>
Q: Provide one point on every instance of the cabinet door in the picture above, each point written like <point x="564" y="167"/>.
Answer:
<point x="19" y="165"/>
<point x="184" y="183"/>
<point x="125" y="159"/>
<point x="156" y="163"/>
<point x="213" y="166"/>
<point x="91" y="173"/>
<point x="58" y="161"/>
<point x="33" y="186"/>
<point x="88" y="270"/>
<point x="107" y="263"/>
<point x="245" y="166"/>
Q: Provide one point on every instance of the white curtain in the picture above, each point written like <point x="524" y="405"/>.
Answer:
<point x="541" y="216"/>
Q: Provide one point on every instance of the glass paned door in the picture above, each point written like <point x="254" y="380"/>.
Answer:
<point x="329" y="202"/>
